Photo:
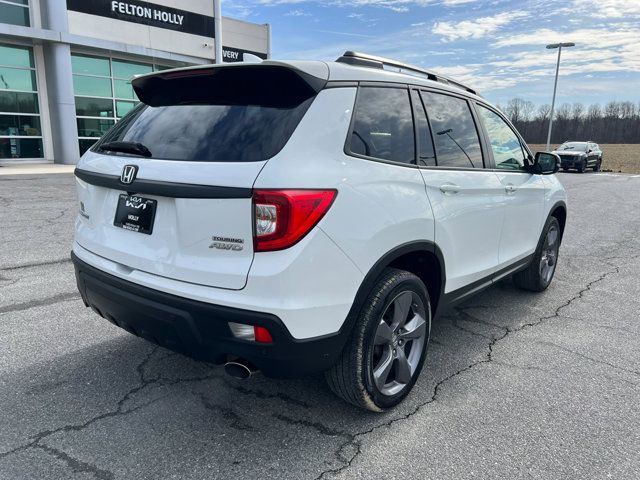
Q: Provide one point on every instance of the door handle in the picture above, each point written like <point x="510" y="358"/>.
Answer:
<point x="449" y="188"/>
<point x="510" y="188"/>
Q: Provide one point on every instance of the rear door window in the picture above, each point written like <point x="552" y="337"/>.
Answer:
<point x="454" y="131"/>
<point x="383" y="125"/>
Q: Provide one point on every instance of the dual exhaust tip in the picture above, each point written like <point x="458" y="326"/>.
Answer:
<point x="240" y="368"/>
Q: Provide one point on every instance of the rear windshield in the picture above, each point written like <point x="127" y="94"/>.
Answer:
<point x="228" y="114"/>
<point x="209" y="133"/>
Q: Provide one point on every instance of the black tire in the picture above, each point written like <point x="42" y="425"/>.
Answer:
<point x="534" y="278"/>
<point x="581" y="168"/>
<point x="352" y="376"/>
<point x="565" y="169"/>
<point x="596" y="167"/>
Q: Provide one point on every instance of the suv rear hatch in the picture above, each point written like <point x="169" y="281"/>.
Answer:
<point x="168" y="190"/>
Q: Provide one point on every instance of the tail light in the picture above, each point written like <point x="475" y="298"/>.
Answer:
<point x="284" y="217"/>
<point x="262" y="335"/>
<point x="252" y="333"/>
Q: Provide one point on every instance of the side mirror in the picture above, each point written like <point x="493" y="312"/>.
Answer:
<point x="546" y="163"/>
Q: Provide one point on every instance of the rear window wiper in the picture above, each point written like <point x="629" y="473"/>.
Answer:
<point x="126" y="147"/>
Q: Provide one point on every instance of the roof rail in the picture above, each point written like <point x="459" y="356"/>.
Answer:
<point x="371" y="61"/>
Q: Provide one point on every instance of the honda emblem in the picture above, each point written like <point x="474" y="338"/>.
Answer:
<point x="128" y="174"/>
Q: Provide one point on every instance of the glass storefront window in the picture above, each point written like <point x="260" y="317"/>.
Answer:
<point x="123" y="69"/>
<point x="20" y="126"/>
<point x="92" y="86"/>
<point x="110" y="78"/>
<point x="122" y="108"/>
<point x="85" y="144"/>
<point x="94" y="107"/>
<point x="25" y="125"/>
<point x="16" y="56"/>
<point x="93" y="127"/>
<point x="17" y="79"/>
<point x="123" y="89"/>
<point x="18" y="102"/>
<point x="20" y="148"/>
<point x="86" y="65"/>
<point x="15" y="12"/>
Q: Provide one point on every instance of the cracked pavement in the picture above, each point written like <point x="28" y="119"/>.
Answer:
<point x="516" y="385"/>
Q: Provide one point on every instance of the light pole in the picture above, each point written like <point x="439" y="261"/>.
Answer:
<point x="217" y="29"/>
<point x="559" y="46"/>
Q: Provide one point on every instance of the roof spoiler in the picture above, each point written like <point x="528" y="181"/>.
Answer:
<point x="237" y="84"/>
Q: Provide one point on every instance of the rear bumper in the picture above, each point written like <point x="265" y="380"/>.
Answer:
<point x="200" y="329"/>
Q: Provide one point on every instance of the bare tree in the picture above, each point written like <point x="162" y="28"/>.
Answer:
<point x="616" y="122"/>
<point x="519" y="110"/>
<point x="577" y="111"/>
<point x="612" y="110"/>
<point x="627" y="109"/>
<point x="594" y="111"/>
<point x="543" y="112"/>
<point x="564" y="112"/>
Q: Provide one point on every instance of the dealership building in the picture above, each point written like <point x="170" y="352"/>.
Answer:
<point x="66" y="65"/>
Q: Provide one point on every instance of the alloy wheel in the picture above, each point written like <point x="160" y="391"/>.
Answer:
<point x="399" y="342"/>
<point x="549" y="256"/>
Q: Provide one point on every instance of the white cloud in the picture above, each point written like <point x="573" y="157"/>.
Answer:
<point x="596" y="50"/>
<point x="400" y="6"/>
<point x="594" y="37"/>
<point x="238" y="10"/>
<point x="297" y="13"/>
<point x="478" y="28"/>
<point x="609" y="8"/>
<point x="457" y="71"/>
<point x="279" y="2"/>
<point x="475" y="77"/>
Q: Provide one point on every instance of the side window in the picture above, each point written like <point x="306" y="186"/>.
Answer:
<point x="383" y="125"/>
<point x="454" y="131"/>
<point x="506" y="146"/>
<point x="426" y="153"/>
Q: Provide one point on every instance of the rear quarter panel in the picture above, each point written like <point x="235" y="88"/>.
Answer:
<point x="379" y="205"/>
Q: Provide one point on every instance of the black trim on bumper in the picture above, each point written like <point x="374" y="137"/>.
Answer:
<point x="200" y="329"/>
<point x="162" y="189"/>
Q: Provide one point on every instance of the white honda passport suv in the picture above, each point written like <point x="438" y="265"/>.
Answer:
<point x="300" y="217"/>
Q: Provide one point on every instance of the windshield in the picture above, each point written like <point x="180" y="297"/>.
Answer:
<point x="575" y="146"/>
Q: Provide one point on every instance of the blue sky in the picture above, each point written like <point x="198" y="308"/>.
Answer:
<point x="497" y="47"/>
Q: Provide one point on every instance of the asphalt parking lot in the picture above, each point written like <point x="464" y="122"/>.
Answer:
<point x="516" y="385"/>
